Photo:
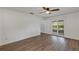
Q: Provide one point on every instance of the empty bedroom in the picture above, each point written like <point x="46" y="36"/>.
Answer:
<point x="39" y="29"/>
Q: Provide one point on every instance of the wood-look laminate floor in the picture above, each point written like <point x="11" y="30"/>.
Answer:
<point x="43" y="42"/>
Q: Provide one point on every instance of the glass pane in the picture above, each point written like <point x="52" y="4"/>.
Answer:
<point x="54" y="26"/>
<point x="58" y="27"/>
<point x="61" y="27"/>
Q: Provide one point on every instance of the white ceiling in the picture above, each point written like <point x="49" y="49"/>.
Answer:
<point x="37" y="10"/>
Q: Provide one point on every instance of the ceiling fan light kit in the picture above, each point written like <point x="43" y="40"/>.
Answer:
<point x="47" y="12"/>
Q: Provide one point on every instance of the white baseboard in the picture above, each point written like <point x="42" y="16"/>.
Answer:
<point x="21" y="38"/>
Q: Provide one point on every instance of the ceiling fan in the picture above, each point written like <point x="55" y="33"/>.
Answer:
<point x="47" y="10"/>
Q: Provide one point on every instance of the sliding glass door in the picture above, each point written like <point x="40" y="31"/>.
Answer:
<point x="61" y="27"/>
<point x="58" y="27"/>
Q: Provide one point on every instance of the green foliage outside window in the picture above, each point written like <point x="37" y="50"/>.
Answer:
<point x="58" y="26"/>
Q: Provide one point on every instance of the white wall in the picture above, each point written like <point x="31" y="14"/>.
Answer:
<point x="46" y="27"/>
<point x="18" y="26"/>
<point x="0" y="26"/>
<point x="71" y="25"/>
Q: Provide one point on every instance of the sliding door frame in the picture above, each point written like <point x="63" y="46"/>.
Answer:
<point x="57" y="34"/>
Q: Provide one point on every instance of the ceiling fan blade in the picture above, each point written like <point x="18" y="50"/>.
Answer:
<point x="55" y="10"/>
<point x="45" y="8"/>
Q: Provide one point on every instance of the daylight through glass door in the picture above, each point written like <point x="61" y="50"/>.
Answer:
<point x="58" y="27"/>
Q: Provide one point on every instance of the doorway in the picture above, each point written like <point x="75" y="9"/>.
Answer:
<point x="58" y="27"/>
